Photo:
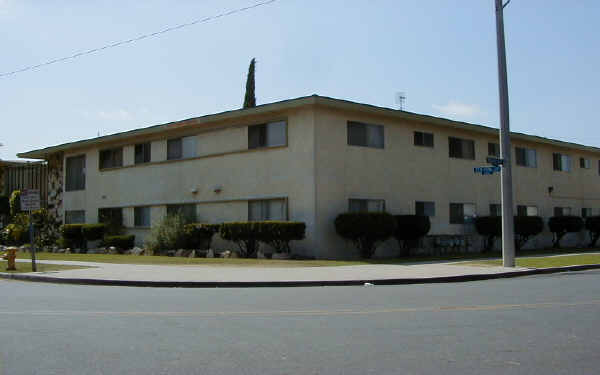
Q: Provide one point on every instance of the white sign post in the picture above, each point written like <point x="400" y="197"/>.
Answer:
<point x="30" y="201"/>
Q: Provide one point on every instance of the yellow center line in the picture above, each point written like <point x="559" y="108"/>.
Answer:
<point x="304" y="312"/>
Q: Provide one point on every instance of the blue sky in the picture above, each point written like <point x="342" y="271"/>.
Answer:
<point x="442" y="54"/>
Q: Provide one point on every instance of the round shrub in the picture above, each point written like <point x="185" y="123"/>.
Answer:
<point x="93" y="232"/>
<point x="561" y="225"/>
<point x="490" y="227"/>
<point x="365" y="229"/>
<point x="245" y="234"/>
<point x="73" y="234"/>
<point x="199" y="236"/>
<point x="592" y="224"/>
<point x="279" y="234"/>
<point x="410" y="228"/>
<point x="525" y="228"/>
<point x="120" y="242"/>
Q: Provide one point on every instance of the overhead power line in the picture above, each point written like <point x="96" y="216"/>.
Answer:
<point x="136" y="39"/>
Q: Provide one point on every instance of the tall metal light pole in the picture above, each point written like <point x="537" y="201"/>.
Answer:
<point x="508" y="235"/>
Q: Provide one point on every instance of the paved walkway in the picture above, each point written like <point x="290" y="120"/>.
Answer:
<point x="220" y="274"/>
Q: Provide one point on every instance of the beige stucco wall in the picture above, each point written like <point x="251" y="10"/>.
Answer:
<point x="402" y="173"/>
<point x="317" y="172"/>
<point x="223" y="161"/>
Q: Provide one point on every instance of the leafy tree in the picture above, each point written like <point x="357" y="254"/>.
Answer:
<point x="250" y="98"/>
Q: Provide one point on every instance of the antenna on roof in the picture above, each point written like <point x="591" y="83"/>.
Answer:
<point x="400" y="99"/>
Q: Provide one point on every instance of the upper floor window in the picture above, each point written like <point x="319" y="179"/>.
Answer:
<point x="562" y="211"/>
<point x="75" y="173"/>
<point x="585" y="163"/>
<point x="267" y="209"/>
<point x="366" y="135"/>
<point x="523" y="210"/>
<point x="423" y="139"/>
<point x="181" y="148"/>
<point x="493" y="149"/>
<point x="495" y="209"/>
<point x="461" y="213"/>
<point x="526" y="157"/>
<point x="75" y="217"/>
<point x="267" y="135"/>
<point x="111" y="158"/>
<point x="141" y="216"/>
<point x="142" y="153"/>
<point x="461" y="148"/>
<point x="186" y="211"/>
<point x="366" y="205"/>
<point x="561" y="162"/>
<point x="425" y="208"/>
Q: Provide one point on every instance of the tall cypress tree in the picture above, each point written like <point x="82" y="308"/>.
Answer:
<point x="250" y="99"/>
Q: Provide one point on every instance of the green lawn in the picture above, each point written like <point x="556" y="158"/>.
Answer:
<point x="132" y="259"/>
<point x="544" y="262"/>
<point x="26" y="267"/>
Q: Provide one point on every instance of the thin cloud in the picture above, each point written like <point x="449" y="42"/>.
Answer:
<point x="457" y="109"/>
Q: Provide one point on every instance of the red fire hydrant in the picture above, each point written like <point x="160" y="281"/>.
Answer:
<point x="11" y="255"/>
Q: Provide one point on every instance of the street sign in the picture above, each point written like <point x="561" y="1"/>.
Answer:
<point x="486" y="170"/>
<point x="30" y="199"/>
<point x="494" y="161"/>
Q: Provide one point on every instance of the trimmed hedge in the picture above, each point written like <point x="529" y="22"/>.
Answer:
<point x="410" y="228"/>
<point x="489" y="227"/>
<point x="73" y="235"/>
<point x="199" y="236"/>
<point x="93" y="232"/>
<point x="245" y="234"/>
<point x="365" y="229"/>
<point x="279" y="234"/>
<point x="120" y="242"/>
<point x="525" y="228"/>
<point x="561" y="225"/>
<point x="592" y="224"/>
<point x="248" y="234"/>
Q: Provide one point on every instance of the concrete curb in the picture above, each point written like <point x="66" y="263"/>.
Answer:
<point x="279" y="284"/>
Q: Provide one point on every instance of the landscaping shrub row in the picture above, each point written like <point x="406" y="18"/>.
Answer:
<point x="368" y="229"/>
<point x="277" y="234"/>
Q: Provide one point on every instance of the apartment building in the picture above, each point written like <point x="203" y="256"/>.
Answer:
<point x="309" y="159"/>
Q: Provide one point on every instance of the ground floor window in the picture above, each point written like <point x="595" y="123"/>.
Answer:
<point x="267" y="209"/>
<point x="187" y="211"/>
<point x="75" y="217"/>
<point x="425" y="208"/>
<point x="527" y="210"/>
<point x="461" y="213"/>
<point x="366" y="205"/>
<point x="495" y="209"/>
<point x="562" y="211"/>
<point x="141" y="216"/>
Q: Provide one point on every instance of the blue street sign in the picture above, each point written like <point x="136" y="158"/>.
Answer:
<point x="494" y="161"/>
<point x="486" y="170"/>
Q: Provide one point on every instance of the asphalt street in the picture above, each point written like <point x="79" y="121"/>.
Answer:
<point x="533" y="325"/>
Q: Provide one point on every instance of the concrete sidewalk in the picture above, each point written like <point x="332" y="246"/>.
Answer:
<point x="230" y="276"/>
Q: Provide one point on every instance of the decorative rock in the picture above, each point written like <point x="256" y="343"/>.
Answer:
<point x="210" y="253"/>
<point x="225" y="254"/>
<point x="180" y="253"/>
<point x="67" y="251"/>
<point x="281" y="256"/>
<point x="137" y="251"/>
<point x="234" y="254"/>
<point x="112" y="250"/>
<point x="260" y="255"/>
<point x="61" y="250"/>
<point x="192" y="254"/>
